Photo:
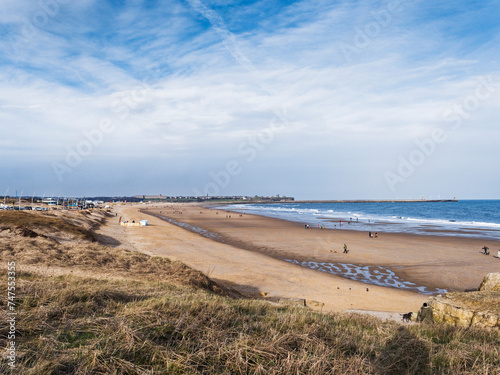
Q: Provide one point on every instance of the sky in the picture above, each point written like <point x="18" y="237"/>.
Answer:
<point x="311" y="99"/>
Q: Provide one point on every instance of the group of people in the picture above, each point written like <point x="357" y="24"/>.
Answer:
<point x="375" y="235"/>
<point x="319" y="226"/>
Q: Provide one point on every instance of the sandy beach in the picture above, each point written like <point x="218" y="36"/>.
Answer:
<point x="247" y="252"/>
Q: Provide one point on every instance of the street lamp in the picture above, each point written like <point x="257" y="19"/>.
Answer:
<point x="5" y="196"/>
<point x="19" y="202"/>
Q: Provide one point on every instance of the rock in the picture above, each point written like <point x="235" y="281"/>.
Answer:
<point x="485" y="320"/>
<point x="466" y="309"/>
<point x="314" y="303"/>
<point x="447" y="312"/>
<point x="491" y="282"/>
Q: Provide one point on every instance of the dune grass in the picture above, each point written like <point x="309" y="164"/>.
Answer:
<point x="82" y="325"/>
<point x="112" y="311"/>
<point x="42" y="222"/>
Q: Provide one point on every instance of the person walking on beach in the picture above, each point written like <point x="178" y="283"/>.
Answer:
<point x="425" y="314"/>
<point x="486" y="252"/>
<point x="345" y="249"/>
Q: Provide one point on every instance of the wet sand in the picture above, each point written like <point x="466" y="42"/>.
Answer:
<point x="443" y="262"/>
<point x="258" y="255"/>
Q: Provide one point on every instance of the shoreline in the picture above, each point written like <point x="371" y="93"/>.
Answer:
<point x="376" y="224"/>
<point x="428" y="235"/>
<point x="407" y="269"/>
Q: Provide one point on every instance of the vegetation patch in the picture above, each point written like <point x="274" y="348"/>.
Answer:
<point x="83" y="325"/>
<point x="111" y="311"/>
<point x="42" y="223"/>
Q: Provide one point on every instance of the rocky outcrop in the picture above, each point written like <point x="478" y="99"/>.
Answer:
<point x="491" y="282"/>
<point x="446" y="310"/>
<point x="481" y="308"/>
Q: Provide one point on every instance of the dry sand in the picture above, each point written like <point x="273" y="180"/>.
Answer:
<point x="248" y="256"/>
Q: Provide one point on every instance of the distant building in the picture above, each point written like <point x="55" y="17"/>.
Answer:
<point x="50" y="201"/>
<point x="160" y="197"/>
<point x="151" y="197"/>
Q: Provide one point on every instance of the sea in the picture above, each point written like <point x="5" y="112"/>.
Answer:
<point x="465" y="218"/>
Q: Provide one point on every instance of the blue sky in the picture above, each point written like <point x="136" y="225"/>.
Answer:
<point x="315" y="99"/>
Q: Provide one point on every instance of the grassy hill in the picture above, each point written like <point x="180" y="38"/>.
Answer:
<point x="85" y="308"/>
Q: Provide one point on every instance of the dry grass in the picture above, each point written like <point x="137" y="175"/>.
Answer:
<point x="46" y="224"/>
<point x="160" y="317"/>
<point x="49" y="257"/>
<point x="87" y="326"/>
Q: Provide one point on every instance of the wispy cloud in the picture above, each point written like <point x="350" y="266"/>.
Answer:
<point x="214" y="77"/>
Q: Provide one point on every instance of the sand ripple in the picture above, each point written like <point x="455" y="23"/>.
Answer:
<point x="375" y="275"/>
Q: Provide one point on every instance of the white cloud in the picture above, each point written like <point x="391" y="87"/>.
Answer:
<point x="173" y="89"/>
